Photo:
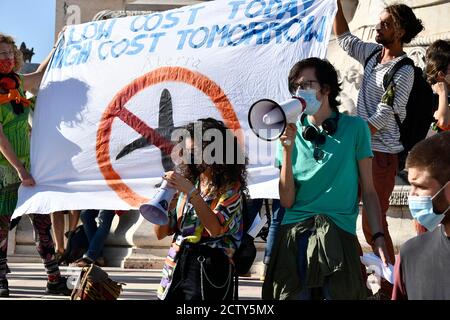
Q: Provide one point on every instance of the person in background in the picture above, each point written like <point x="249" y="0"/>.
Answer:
<point x="397" y="26"/>
<point x="422" y="268"/>
<point x="274" y="228"/>
<point x="58" y="225"/>
<point x="438" y="75"/>
<point x="15" y="161"/>
<point x="276" y="217"/>
<point x="96" y="234"/>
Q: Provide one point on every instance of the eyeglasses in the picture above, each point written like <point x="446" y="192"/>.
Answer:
<point x="306" y="85"/>
<point x="318" y="154"/>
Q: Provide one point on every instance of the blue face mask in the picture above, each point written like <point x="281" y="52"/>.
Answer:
<point x="421" y="208"/>
<point x="312" y="104"/>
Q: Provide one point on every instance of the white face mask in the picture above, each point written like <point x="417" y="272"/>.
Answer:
<point x="310" y="97"/>
<point x="421" y="208"/>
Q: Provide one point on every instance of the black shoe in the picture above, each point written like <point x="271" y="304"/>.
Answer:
<point x="101" y="262"/>
<point x="58" y="288"/>
<point x="4" y="290"/>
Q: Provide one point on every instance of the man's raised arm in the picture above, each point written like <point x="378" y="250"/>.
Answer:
<point x="340" y="25"/>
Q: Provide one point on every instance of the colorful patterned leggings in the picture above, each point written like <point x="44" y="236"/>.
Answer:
<point x="44" y="244"/>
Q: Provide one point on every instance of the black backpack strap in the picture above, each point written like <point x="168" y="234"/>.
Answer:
<point x="390" y="75"/>
<point x="374" y="52"/>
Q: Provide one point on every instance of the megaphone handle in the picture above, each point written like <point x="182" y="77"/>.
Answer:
<point x="163" y="184"/>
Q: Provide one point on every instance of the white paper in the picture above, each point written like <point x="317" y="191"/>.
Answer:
<point x="257" y="225"/>
<point x="374" y="263"/>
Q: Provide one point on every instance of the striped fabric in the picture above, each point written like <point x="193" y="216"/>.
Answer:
<point x="369" y="106"/>
<point x="228" y="209"/>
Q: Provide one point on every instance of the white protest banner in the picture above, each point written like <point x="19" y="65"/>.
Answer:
<point x="115" y="81"/>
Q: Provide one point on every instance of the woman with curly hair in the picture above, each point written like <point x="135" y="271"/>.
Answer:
<point x="206" y="222"/>
<point x="15" y="109"/>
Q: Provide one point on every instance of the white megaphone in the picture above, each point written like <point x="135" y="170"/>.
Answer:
<point x="156" y="210"/>
<point x="268" y="119"/>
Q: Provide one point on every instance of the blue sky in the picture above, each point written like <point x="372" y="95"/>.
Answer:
<point x="36" y="25"/>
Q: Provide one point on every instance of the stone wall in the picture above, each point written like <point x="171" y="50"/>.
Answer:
<point x="70" y="12"/>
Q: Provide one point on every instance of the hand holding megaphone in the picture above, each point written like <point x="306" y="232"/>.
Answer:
<point x="157" y="209"/>
<point x="289" y="135"/>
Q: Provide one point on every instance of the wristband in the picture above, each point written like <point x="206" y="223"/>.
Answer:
<point x="377" y="235"/>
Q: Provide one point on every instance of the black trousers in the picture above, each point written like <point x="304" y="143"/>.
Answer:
<point x="217" y="275"/>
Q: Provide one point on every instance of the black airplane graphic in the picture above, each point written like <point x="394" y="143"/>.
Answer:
<point x="165" y="129"/>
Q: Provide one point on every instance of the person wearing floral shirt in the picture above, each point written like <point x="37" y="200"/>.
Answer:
<point x="206" y="222"/>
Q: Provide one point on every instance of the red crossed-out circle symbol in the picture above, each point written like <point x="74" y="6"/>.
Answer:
<point x="116" y="108"/>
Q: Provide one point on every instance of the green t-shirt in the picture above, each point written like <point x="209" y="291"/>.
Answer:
<point x="329" y="186"/>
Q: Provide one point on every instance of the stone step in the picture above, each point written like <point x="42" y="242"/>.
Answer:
<point x="24" y="258"/>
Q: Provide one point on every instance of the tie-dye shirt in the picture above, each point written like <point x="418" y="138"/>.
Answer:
<point x="188" y="229"/>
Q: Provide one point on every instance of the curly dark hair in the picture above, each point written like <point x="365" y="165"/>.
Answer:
<point x="437" y="61"/>
<point x="437" y="46"/>
<point x="325" y="73"/>
<point x="228" y="169"/>
<point x="405" y="18"/>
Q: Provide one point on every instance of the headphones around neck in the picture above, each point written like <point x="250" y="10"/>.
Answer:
<point x="310" y="133"/>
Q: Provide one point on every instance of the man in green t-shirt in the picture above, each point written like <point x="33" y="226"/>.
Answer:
<point x="322" y="157"/>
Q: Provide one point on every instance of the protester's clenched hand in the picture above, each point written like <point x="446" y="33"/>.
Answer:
<point x="442" y="119"/>
<point x="441" y="115"/>
<point x="440" y="88"/>
<point x="288" y="137"/>
<point x="178" y="182"/>
<point x="26" y="178"/>
<point x="381" y="250"/>
<point x="61" y="32"/>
